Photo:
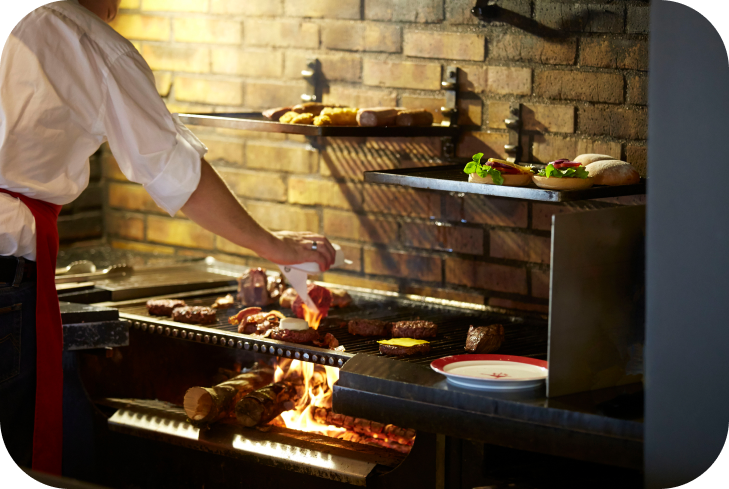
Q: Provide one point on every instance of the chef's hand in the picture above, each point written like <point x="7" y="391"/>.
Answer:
<point x="291" y="248"/>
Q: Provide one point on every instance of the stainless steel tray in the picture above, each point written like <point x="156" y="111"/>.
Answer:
<point x="451" y="178"/>
<point x="254" y="121"/>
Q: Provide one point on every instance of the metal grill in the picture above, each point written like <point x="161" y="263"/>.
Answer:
<point x="523" y="336"/>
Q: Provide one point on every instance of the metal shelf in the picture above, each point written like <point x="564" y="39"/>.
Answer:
<point x="452" y="179"/>
<point x="254" y="121"/>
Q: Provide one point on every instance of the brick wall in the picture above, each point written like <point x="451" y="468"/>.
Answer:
<point x="586" y="93"/>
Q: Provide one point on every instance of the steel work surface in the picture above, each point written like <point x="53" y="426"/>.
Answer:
<point x="451" y="178"/>
<point x="523" y="336"/>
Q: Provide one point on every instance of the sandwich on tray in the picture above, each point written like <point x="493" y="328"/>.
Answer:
<point x="563" y="175"/>
<point x="497" y="172"/>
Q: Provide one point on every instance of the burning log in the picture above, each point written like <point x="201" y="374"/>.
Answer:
<point x="367" y="430"/>
<point x="263" y="405"/>
<point x="205" y="405"/>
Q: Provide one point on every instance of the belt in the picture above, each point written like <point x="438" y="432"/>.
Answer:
<point x="16" y="270"/>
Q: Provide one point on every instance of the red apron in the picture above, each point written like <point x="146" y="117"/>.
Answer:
<point x="48" y="431"/>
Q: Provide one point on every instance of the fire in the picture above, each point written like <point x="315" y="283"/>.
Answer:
<point x="315" y="385"/>
<point x="311" y="317"/>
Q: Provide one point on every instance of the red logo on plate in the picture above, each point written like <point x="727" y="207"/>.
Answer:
<point x="498" y="376"/>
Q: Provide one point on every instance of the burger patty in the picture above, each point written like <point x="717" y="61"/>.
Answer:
<point x="404" y="351"/>
<point x="305" y="336"/>
<point x="194" y="315"/>
<point x="369" y="327"/>
<point x="163" y="307"/>
<point x="485" y="339"/>
<point x="414" y="329"/>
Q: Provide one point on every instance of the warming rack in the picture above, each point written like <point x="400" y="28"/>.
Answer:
<point x="451" y="178"/>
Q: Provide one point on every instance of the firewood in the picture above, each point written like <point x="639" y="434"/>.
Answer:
<point x="263" y="405"/>
<point x="367" y="429"/>
<point x="205" y="405"/>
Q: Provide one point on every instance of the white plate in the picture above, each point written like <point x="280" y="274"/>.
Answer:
<point x="492" y="372"/>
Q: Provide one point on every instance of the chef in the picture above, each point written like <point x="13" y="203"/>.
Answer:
<point x="68" y="83"/>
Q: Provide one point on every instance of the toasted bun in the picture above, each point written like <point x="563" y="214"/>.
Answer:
<point x="613" y="172"/>
<point x="510" y="180"/>
<point x="562" y="183"/>
<point x="589" y="159"/>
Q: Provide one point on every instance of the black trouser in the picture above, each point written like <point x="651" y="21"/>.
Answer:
<point x="17" y="369"/>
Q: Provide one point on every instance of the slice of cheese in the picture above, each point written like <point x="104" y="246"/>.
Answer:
<point x="522" y="169"/>
<point x="406" y="342"/>
<point x="294" y="324"/>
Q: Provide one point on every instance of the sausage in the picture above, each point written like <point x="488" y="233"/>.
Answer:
<point x="275" y="114"/>
<point x="419" y="117"/>
<point x="378" y="116"/>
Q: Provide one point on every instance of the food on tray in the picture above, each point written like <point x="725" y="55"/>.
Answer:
<point x="258" y="322"/>
<point x="292" y="336"/>
<point x="224" y="302"/>
<point x="340" y="298"/>
<point x="414" y="329"/>
<point x="275" y="114"/>
<point x="242" y="315"/>
<point x="321" y="297"/>
<point x="288" y="297"/>
<point x="369" y="327"/>
<point x="323" y="120"/>
<point x="329" y="341"/>
<point x="313" y="108"/>
<point x="296" y="118"/>
<point x="497" y="172"/>
<point x="418" y="117"/>
<point x="485" y="339"/>
<point x="194" y="315"/>
<point x="377" y="116"/>
<point x="163" y="307"/>
<point x="341" y="116"/>
<point x="403" y="347"/>
<point x="253" y="288"/>
<point x="613" y="172"/>
<point x="563" y="175"/>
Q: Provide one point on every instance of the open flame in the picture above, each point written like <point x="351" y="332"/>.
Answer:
<point x="311" y="317"/>
<point x="315" y="385"/>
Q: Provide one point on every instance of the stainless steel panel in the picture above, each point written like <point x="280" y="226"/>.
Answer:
<point x="597" y="300"/>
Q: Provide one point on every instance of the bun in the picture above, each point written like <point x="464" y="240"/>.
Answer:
<point x="588" y="159"/>
<point x="563" y="183"/>
<point x="510" y="179"/>
<point x="613" y="172"/>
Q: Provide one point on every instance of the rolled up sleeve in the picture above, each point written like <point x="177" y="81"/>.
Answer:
<point x="151" y="146"/>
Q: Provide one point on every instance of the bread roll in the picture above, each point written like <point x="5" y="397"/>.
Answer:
<point x="510" y="179"/>
<point x="378" y="116"/>
<point x="613" y="172"/>
<point x="588" y="159"/>
<point x="419" y="117"/>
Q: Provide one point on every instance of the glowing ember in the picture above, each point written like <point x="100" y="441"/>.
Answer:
<point x="313" y="318"/>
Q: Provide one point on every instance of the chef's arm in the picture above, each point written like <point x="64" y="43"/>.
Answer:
<point x="214" y="207"/>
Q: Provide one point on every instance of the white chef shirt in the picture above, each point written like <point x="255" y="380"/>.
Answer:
<point x="69" y="82"/>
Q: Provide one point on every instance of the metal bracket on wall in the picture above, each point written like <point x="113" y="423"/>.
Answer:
<point x="489" y="11"/>
<point x="450" y="108"/>
<point x="312" y="75"/>
<point x="513" y="125"/>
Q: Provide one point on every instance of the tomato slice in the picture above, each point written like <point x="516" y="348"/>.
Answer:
<point x="569" y="164"/>
<point x="503" y="168"/>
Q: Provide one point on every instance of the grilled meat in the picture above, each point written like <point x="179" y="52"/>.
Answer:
<point x="340" y="298"/>
<point x="369" y="327"/>
<point x="163" y="307"/>
<point x="414" y="329"/>
<point x="258" y="322"/>
<point x="306" y="336"/>
<point x="321" y="297"/>
<point x="253" y="288"/>
<point x="404" y="351"/>
<point x="288" y="297"/>
<point x="224" y="302"/>
<point x="194" y="315"/>
<point x="485" y="339"/>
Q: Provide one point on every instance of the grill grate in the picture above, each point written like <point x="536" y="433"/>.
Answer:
<point x="523" y="336"/>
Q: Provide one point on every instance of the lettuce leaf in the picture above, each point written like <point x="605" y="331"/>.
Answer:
<point x="482" y="171"/>
<point x="573" y="172"/>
